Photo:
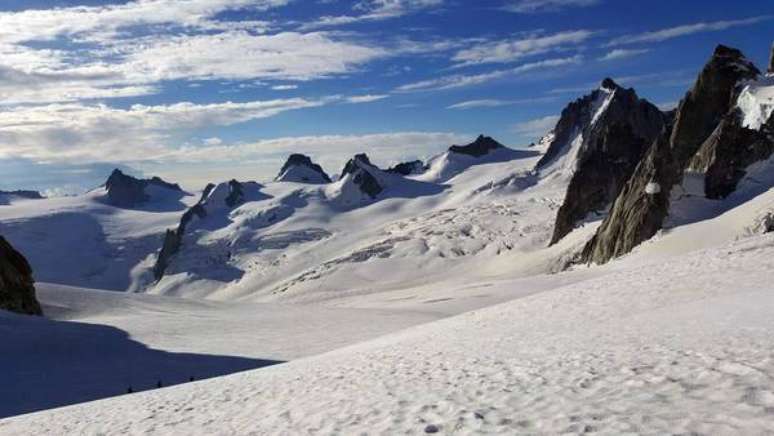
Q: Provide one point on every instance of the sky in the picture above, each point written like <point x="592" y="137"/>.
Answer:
<point x="208" y="90"/>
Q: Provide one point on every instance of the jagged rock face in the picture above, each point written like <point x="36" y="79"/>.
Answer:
<point x="771" y="60"/>
<point x="637" y="213"/>
<point x="711" y="98"/>
<point x="483" y="145"/>
<point x="300" y="168"/>
<point x="639" y="210"/>
<point x="725" y="155"/>
<point x="611" y="148"/>
<point x="360" y="167"/>
<point x="408" y="168"/>
<point x="127" y="191"/>
<point x="17" y="287"/>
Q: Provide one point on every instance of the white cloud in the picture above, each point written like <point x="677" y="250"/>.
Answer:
<point x="686" y="29"/>
<point x="212" y="141"/>
<point x="537" y="127"/>
<point x="103" y="57"/>
<point x="475" y="104"/>
<point x="463" y="80"/>
<point x="284" y="87"/>
<point x="515" y="49"/>
<point x="241" y="55"/>
<point x="485" y="103"/>
<point x="374" y="10"/>
<point x="101" y="133"/>
<point x="623" y="53"/>
<point x="538" y="6"/>
<point x="100" y="22"/>
<point x="366" y="98"/>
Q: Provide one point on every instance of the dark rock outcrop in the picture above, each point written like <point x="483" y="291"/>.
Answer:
<point x="236" y="193"/>
<point x="17" y="287"/>
<point x="408" y="168"/>
<point x="725" y="155"/>
<point x="305" y="162"/>
<point x="362" y="171"/>
<point x="771" y="60"/>
<point x="611" y="147"/>
<point x="483" y="145"/>
<point x="640" y="209"/>
<point x="127" y="191"/>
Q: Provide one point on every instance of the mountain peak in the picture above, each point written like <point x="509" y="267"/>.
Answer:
<point x="725" y="51"/>
<point x="480" y="147"/>
<point x="127" y="191"/>
<point x="355" y="163"/>
<point x="300" y="168"/>
<point x="610" y="84"/>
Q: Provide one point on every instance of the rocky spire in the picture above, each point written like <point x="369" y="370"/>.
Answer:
<point x="614" y="127"/>
<point x="639" y="212"/>
<point x="17" y="289"/>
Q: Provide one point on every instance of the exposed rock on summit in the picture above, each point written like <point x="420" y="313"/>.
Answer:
<point x="483" y="145"/>
<point x="127" y="191"/>
<point x="408" y="168"/>
<point x="636" y="214"/>
<point x="603" y="136"/>
<point x="299" y="168"/>
<point x="17" y="287"/>
<point x="362" y="173"/>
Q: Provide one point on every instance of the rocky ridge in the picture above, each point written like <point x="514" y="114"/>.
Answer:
<point x="604" y="135"/>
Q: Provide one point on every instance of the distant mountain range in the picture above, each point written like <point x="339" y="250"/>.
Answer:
<point x="614" y="172"/>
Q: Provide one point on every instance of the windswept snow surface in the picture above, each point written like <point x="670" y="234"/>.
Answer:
<point x="664" y="347"/>
<point x="98" y="344"/>
<point x="676" y="337"/>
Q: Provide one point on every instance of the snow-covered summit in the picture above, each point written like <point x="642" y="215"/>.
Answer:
<point x="299" y="168"/>
<point x="484" y="150"/>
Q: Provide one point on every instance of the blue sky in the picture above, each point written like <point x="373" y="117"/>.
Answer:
<point x="205" y="90"/>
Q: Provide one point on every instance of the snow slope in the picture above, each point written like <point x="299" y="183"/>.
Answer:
<point x="98" y="344"/>
<point x="677" y="346"/>
<point x="318" y="243"/>
<point x="756" y="101"/>
<point x="83" y="241"/>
